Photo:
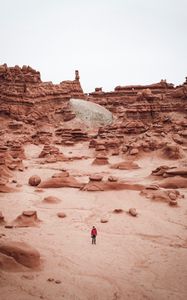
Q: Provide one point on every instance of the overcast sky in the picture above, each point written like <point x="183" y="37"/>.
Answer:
<point x="110" y="42"/>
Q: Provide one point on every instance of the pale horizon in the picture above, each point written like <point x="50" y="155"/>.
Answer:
<point x="110" y="42"/>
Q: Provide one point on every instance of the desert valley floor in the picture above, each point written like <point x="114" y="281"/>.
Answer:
<point x="141" y="257"/>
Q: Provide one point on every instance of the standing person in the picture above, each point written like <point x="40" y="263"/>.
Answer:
<point x="93" y="235"/>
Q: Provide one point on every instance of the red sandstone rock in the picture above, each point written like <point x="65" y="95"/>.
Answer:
<point x="96" y="177"/>
<point x="27" y="219"/>
<point x="133" y="212"/>
<point x="100" y="159"/>
<point x="175" y="182"/>
<point x="23" y="85"/>
<point x="51" y="199"/>
<point x="60" y="182"/>
<point x="112" y="178"/>
<point x="21" y="252"/>
<point x="172" y="151"/>
<point x="118" y="211"/>
<point x="34" y="180"/>
<point x="61" y="214"/>
<point x="125" y="165"/>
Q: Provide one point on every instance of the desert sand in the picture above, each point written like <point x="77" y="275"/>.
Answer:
<point x="141" y="257"/>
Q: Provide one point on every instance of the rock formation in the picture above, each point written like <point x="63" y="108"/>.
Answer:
<point x="142" y="102"/>
<point x="34" y="180"/>
<point x="28" y="218"/>
<point x="12" y="252"/>
<point x="24" y="97"/>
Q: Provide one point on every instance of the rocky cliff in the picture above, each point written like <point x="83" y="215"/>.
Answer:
<point x="146" y="102"/>
<point x="24" y="97"/>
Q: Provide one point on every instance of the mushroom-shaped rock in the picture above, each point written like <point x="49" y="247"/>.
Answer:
<point x="133" y="212"/>
<point x="173" y="202"/>
<point x="34" y="180"/>
<point x="28" y="218"/>
<point x="101" y="159"/>
<point x="96" y="177"/>
<point x="21" y="252"/>
<point x="51" y="200"/>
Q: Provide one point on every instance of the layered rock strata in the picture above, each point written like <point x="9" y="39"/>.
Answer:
<point x="24" y="97"/>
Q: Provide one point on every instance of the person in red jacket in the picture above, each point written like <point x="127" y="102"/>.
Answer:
<point x="93" y="235"/>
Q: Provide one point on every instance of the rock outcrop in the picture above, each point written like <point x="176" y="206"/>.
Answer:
<point x="142" y="102"/>
<point x="13" y="254"/>
<point x="24" y="97"/>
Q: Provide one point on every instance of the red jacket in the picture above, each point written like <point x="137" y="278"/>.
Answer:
<point x="94" y="231"/>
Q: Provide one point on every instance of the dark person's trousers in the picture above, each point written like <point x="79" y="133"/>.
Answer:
<point x="93" y="239"/>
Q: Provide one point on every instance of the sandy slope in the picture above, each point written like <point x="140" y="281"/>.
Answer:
<point x="135" y="258"/>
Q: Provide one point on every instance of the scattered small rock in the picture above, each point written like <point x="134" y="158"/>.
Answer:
<point x="61" y="214"/>
<point x="117" y="211"/>
<point x="133" y="212"/>
<point x="50" y="279"/>
<point x="134" y="151"/>
<point x="173" y="203"/>
<point x="30" y="277"/>
<point x="34" y="180"/>
<point x="38" y="190"/>
<point x="58" y="281"/>
<point x="172" y="196"/>
<point x="9" y="226"/>
<point x="104" y="220"/>
<point x="18" y="185"/>
<point x="51" y="200"/>
<point x="112" y="178"/>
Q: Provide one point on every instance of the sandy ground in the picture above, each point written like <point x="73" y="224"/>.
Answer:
<point x="135" y="258"/>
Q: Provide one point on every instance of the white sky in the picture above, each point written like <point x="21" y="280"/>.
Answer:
<point x="110" y="42"/>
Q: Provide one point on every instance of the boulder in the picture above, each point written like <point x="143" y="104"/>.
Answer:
<point x="34" y="180"/>
<point x="59" y="182"/>
<point x="20" y="252"/>
<point x="133" y="212"/>
<point x="175" y="182"/>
